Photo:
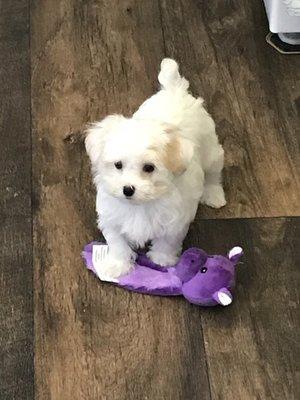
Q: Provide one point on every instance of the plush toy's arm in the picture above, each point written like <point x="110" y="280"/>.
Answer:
<point x="146" y="262"/>
<point x="223" y="296"/>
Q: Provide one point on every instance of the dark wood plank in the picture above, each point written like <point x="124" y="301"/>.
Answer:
<point x="16" y="305"/>
<point x="251" y="91"/>
<point x="252" y="347"/>
<point x="92" y="340"/>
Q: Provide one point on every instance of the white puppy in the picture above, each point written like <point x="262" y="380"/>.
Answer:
<point x="152" y="170"/>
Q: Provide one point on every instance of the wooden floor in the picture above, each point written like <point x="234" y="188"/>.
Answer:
<point x="65" y="336"/>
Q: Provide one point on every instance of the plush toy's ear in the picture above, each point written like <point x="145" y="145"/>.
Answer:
<point x="235" y="254"/>
<point x="97" y="133"/>
<point x="178" y="151"/>
<point x="223" y="297"/>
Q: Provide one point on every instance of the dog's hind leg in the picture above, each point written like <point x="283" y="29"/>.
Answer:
<point x="213" y="193"/>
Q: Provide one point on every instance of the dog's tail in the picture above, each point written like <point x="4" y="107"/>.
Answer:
<point x="169" y="76"/>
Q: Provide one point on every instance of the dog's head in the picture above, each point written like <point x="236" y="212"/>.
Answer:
<point x="136" y="160"/>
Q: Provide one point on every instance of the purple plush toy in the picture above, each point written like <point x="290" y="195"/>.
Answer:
<point x="202" y="279"/>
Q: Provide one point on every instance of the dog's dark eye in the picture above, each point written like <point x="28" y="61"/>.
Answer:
<point x="119" y="165"/>
<point x="203" y="270"/>
<point x="148" y="168"/>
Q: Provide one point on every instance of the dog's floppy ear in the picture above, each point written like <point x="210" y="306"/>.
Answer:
<point x="96" y="135"/>
<point x="178" y="151"/>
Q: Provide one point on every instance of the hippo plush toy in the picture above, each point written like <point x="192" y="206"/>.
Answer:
<point x="202" y="279"/>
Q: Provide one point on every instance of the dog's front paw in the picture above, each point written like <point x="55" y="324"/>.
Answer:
<point x="162" y="259"/>
<point x="213" y="196"/>
<point x="113" y="268"/>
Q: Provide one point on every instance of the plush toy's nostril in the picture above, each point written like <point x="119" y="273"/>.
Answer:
<point x="128" y="191"/>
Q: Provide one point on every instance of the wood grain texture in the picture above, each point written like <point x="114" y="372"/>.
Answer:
<point x="95" y="341"/>
<point x="252" y="93"/>
<point x="16" y="286"/>
<point x="252" y="347"/>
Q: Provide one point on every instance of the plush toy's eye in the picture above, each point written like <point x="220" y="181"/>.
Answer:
<point x="192" y="261"/>
<point x="203" y="270"/>
<point x="148" y="168"/>
<point x="119" y="165"/>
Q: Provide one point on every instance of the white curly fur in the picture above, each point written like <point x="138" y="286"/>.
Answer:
<point x="174" y="133"/>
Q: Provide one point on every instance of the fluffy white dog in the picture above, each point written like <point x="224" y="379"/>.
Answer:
<point x="152" y="170"/>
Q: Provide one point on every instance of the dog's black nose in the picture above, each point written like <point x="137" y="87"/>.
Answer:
<point x="128" y="191"/>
